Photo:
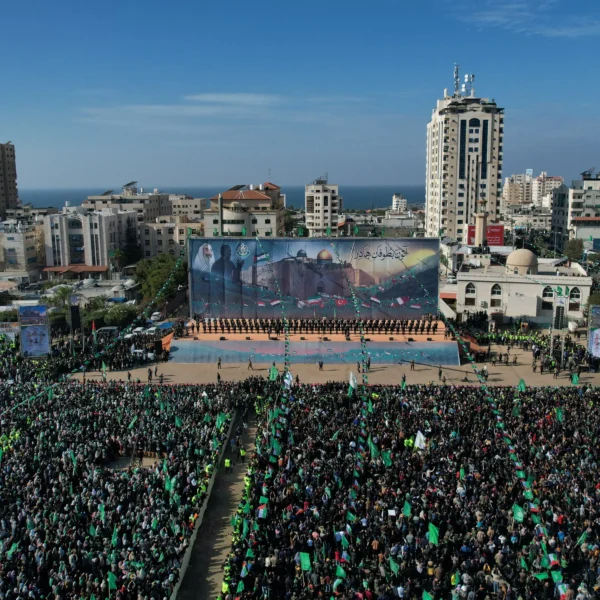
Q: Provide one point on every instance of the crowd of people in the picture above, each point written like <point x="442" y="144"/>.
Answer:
<point x="421" y="492"/>
<point x="101" y="484"/>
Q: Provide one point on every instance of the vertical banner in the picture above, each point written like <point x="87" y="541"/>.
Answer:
<point x="34" y="330"/>
<point x="239" y="278"/>
<point x="594" y="333"/>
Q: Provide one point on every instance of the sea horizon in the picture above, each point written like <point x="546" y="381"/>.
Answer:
<point x="358" y="197"/>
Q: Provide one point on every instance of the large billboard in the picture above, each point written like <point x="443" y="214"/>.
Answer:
<point x="35" y="332"/>
<point x="494" y="235"/>
<point x="392" y="278"/>
<point x="594" y="334"/>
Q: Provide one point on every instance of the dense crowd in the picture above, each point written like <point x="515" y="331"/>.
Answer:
<point x="82" y="515"/>
<point x="426" y="492"/>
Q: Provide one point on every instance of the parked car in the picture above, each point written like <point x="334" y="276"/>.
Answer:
<point x="451" y="279"/>
<point x="139" y="330"/>
<point x="151" y="331"/>
<point x="156" y="316"/>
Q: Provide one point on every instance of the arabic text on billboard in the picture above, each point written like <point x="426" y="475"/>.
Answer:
<point x="9" y="330"/>
<point x="494" y="235"/>
<point x="33" y="315"/>
<point x="594" y="335"/>
<point x="392" y="278"/>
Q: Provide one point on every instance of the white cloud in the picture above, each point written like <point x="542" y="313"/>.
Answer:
<point x="242" y="99"/>
<point x="527" y="17"/>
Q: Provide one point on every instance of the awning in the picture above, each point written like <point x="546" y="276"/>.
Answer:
<point x="448" y="295"/>
<point x="166" y="325"/>
<point x="77" y="269"/>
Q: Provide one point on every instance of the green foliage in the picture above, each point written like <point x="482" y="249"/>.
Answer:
<point x="574" y="249"/>
<point x="289" y="223"/>
<point x="61" y="298"/>
<point x="95" y="315"/>
<point x="120" y="315"/>
<point x="152" y="274"/>
<point x="594" y="299"/>
<point x="9" y="316"/>
<point x="58" y="317"/>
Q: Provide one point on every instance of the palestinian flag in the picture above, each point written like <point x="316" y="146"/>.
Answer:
<point x="375" y="300"/>
<point x="260" y="258"/>
<point x="262" y="511"/>
<point x="402" y="300"/>
<point x="94" y="332"/>
<point x="416" y="306"/>
<point x="366" y="305"/>
<point x="314" y="301"/>
<point x="275" y="302"/>
<point x="259" y="303"/>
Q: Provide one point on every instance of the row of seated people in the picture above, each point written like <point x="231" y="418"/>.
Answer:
<point x="428" y="324"/>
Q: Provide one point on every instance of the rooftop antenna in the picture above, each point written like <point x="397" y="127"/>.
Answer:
<point x="456" y="79"/>
<point x="269" y="179"/>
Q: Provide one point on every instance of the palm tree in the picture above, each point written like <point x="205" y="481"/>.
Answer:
<point x="61" y="298"/>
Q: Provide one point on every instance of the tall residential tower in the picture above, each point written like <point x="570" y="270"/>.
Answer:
<point x="464" y="161"/>
<point x="9" y="196"/>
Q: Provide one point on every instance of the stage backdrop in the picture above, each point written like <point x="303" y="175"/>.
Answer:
<point x="393" y="278"/>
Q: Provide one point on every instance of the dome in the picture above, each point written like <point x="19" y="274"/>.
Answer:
<point x="301" y="254"/>
<point x="523" y="262"/>
<point x="324" y="256"/>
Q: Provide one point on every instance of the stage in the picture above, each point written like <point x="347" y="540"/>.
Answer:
<point x="331" y="349"/>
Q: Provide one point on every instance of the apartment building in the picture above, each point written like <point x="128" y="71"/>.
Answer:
<point x="147" y="206"/>
<point x="191" y="209"/>
<point x="323" y="207"/>
<point x="246" y="209"/>
<point x="465" y="138"/>
<point x="22" y="253"/>
<point x="168" y="235"/>
<point x="9" y="194"/>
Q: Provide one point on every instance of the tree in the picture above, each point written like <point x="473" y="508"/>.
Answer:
<point x="120" y="315"/>
<point x="594" y="298"/>
<point x="152" y="274"/>
<point x="61" y="298"/>
<point x="573" y="250"/>
<point x="289" y="223"/>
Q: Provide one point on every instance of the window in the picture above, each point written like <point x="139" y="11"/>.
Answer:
<point x="147" y="231"/>
<point x="470" y="289"/>
<point x="147" y="253"/>
<point x="474" y="123"/>
<point x="267" y="221"/>
<point x="181" y="232"/>
<point x="171" y="231"/>
<point x="254" y="221"/>
<point x="548" y="293"/>
<point x="215" y="221"/>
<point x="469" y="301"/>
<point x="181" y="242"/>
<point x="146" y="242"/>
<point x="575" y="299"/>
<point x="159" y="242"/>
<point x="159" y="232"/>
<point x="496" y="300"/>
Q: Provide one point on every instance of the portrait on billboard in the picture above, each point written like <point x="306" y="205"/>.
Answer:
<point x="243" y="278"/>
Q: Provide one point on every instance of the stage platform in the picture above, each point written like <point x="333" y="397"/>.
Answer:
<point x="314" y="348"/>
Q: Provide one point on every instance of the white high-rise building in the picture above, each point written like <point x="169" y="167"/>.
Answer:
<point x="464" y="161"/>
<point x="323" y="205"/>
<point x="399" y="203"/>
<point x="543" y="185"/>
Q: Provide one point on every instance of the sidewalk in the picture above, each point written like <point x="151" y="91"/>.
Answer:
<point x="204" y="575"/>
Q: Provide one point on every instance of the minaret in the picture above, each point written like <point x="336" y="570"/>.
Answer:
<point x="481" y="223"/>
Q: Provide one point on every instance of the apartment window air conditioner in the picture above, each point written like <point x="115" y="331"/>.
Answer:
<point x="482" y="303"/>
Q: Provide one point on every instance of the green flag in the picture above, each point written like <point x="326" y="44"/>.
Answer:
<point x="522" y="386"/>
<point x="50" y="394"/>
<point x="339" y="572"/>
<point x="350" y="517"/>
<point x="387" y="458"/>
<point x="541" y="576"/>
<point x="524" y="564"/>
<point x="373" y="448"/>
<point x="335" y="435"/>
<point x="103" y="367"/>
<point x="560" y="414"/>
<point x="101" y="511"/>
<point x="371" y="409"/>
<point x="249" y="554"/>
<point x="245" y="529"/>
<point x="406" y="511"/>
<point x="355" y="230"/>
<point x="394" y="566"/>
<point x="92" y="530"/>
<point x="427" y="596"/>
<point x="305" y="561"/>
<point x="273" y="372"/>
<point x="131" y="425"/>
<point x="575" y="379"/>
<point x="328" y="231"/>
<point x="115" y="537"/>
<point x="300" y="231"/>
<point x="556" y="576"/>
<point x="177" y="422"/>
<point x="240" y="587"/>
<point x="582" y="538"/>
<point x="403" y="387"/>
<point x="112" y="581"/>
<point x="336" y="583"/>
<point x="434" y="533"/>
<point x="518" y="513"/>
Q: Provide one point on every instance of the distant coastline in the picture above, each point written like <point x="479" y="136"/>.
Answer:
<point x="355" y="197"/>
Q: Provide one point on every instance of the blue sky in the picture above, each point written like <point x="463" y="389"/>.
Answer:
<point x="198" y="93"/>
